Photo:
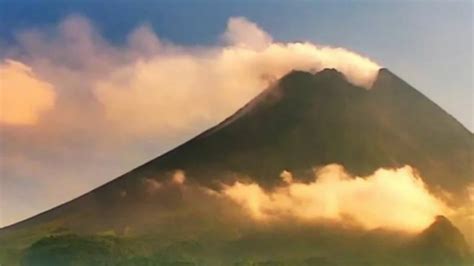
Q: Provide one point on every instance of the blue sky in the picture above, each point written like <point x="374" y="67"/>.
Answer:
<point x="427" y="43"/>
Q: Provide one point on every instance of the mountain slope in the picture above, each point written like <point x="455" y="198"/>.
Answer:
<point x="441" y="244"/>
<point x="303" y="121"/>
<point x="309" y="120"/>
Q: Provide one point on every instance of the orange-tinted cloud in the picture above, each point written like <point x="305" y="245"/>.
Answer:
<point x="463" y="216"/>
<point x="23" y="96"/>
<point x="395" y="199"/>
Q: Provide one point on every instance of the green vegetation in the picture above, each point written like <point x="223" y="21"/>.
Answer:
<point x="71" y="250"/>
<point x="75" y="250"/>
<point x="283" y="247"/>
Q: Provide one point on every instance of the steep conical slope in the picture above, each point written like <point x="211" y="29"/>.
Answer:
<point x="310" y="120"/>
<point x="303" y="121"/>
<point x="421" y="134"/>
<point x="307" y="120"/>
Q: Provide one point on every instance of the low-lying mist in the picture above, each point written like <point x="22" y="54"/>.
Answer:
<point x="389" y="199"/>
<point x="395" y="199"/>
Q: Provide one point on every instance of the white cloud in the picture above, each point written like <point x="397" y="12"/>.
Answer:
<point x="183" y="87"/>
<point x="246" y="34"/>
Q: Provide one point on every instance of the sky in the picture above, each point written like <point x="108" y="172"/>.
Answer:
<point x="113" y="84"/>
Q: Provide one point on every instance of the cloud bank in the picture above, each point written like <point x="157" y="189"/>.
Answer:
<point x="395" y="199"/>
<point x="389" y="199"/>
<point x="211" y="81"/>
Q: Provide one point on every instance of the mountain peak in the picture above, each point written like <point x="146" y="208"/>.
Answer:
<point x="306" y="87"/>
<point x="442" y="228"/>
<point x="330" y="72"/>
<point x="442" y="241"/>
<point x="327" y="73"/>
<point x="385" y="78"/>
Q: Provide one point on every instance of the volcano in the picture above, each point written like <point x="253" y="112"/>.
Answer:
<point x="304" y="120"/>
